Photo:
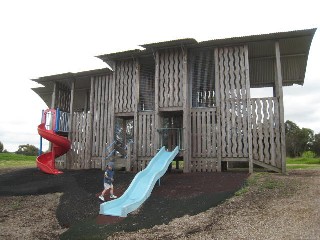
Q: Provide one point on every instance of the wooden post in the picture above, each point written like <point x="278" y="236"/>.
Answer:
<point x="186" y="113"/>
<point x="53" y="97"/>
<point x="156" y="106"/>
<point x="135" y="120"/>
<point x="248" y="108"/>
<point x="279" y="94"/>
<point x="70" y="135"/>
<point x="218" y="107"/>
<point x="90" y="123"/>
<point x="112" y="104"/>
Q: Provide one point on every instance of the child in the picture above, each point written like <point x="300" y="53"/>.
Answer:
<point x="108" y="179"/>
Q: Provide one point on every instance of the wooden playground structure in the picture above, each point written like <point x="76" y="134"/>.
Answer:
<point x="195" y="95"/>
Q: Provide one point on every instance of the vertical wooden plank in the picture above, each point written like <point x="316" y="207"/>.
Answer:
<point x="222" y="103"/>
<point x="249" y="126"/>
<point x="90" y="122"/>
<point x="265" y="132"/>
<point x="144" y="134"/>
<point x="271" y="130"/>
<point x="159" y="76"/>
<point x="176" y="78"/>
<point x="105" y="141"/>
<point x="129" y="96"/>
<point x="260" y="129"/>
<point x="156" y="110"/>
<point x="204" y="134"/>
<point x="71" y="109"/>
<point x="239" y="101"/>
<point x="227" y="98"/>
<point x="140" y="135"/>
<point x="136" y="105"/>
<point x="186" y="113"/>
<point x="279" y="95"/>
<point x="255" y="154"/>
<point x="98" y="118"/>
<point x="53" y="96"/>
<point x="147" y="135"/>
<point x="199" y="133"/>
<point x="217" y="62"/>
<point x="166" y="80"/>
<point x="209" y="134"/>
<point x="171" y="78"/>
<point x="181" y="77"/>
<point x="277" y="133"/>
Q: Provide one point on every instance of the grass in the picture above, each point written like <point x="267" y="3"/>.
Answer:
<point x="304" y="162"/>
<point x="9" y="160"/>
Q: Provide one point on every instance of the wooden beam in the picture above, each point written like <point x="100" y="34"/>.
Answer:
<point x="248" y="108"/>
<point x="218" y="114"/>
<point x="69" y="156"/>
<point x="136" y="109"/>
<point x="186" y="113"/>
<point x="279" y="94"/>
<point x="90" y="122"/>
<point x="53" y="97"/>
<point x="156" y="101"/>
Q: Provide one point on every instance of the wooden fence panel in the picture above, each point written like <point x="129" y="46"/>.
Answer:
<point x="203" y="140"/>
<point x="126" y="79"/>
<point x="102" y="119"/>
<point x="79" y="137"/>
<point x="266" y="131"/>
<point x="145" y="139"/>
<point x="234" y="110"/>
<point x="170" y="78"/>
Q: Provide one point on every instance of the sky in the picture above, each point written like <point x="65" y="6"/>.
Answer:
<point x="41" y="38"/>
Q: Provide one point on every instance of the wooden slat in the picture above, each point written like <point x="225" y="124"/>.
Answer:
<point x="279" y="95"/>
<point x="170" y="79"/>
<point x="218" y="105"/>
<point x="245" y="101"/>
<point x="265" y="132"/>
<point x="160" y="79"/>
<point x="271" y="130"/>
<point x="222" y="103"/>
<point x="176" y="78"/>
<point x="203" y="134"/>
<point x="260" y="130"/>
<point x="182" y="73"/>
<point x="254" y="132"/>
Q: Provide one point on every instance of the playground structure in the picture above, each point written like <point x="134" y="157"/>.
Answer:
<point x="52" y="128"/>
<point x="194" y="95"/>
<point x="141" y="186"/>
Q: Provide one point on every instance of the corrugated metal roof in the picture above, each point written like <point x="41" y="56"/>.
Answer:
<point x="171" y="43"/>
<point x="258" y="38"/>
<point x="74" y="76"/>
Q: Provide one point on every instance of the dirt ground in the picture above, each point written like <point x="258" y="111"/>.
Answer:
<point x="185" y="206"/>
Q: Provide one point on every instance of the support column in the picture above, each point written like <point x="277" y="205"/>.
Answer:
<point x="248" y="108"/>
<point x="135" y="120"/>
<point x="218" y="108"/>
<point x="70" y="127"/>
<point x="279" y="94"/>
<point x="156" y="106"/>
<point x="186" y="114"/>
<point x="53" y="97"/>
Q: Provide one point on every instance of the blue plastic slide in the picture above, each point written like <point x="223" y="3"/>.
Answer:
<point x="141" y="186"/>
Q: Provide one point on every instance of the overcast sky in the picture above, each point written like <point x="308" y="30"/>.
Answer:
<point x="41" y="38"/>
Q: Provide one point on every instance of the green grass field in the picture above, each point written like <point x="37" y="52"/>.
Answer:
<point x="9" y="160"/>
<point x="304" y="162"/>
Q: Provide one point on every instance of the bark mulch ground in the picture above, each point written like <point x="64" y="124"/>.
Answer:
<point x="179" y="194"/>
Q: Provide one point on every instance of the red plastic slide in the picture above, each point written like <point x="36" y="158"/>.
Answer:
<point x="61" y="145"/>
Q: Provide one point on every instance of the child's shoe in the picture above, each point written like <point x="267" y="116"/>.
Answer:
<point x="101" y="198"/>
<point x="113" y="196"/>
